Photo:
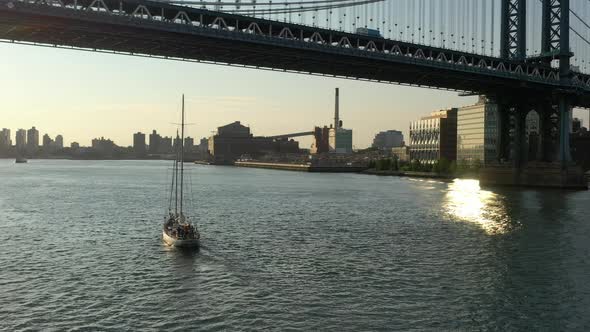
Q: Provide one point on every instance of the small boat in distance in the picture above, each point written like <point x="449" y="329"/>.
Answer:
<point x="178" y="230"/>
<point x="20" y="160"/>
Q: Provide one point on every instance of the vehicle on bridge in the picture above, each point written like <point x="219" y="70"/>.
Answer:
<point x="369" y="32"/>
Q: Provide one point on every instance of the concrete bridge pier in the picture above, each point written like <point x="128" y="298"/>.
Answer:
<point x="552" y="165"/>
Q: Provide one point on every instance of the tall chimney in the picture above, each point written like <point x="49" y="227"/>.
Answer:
<point x="336" y="110"/>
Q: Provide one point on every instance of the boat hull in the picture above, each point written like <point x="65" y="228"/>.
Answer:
<point x="179" y="243"/>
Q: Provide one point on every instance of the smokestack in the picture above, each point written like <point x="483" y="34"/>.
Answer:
<point x="336" y="110"/>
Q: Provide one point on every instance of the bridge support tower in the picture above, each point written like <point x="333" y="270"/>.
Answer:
<point x="548" y="162"/>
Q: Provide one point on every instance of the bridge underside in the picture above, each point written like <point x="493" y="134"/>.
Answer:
<point x="127" y="35"/>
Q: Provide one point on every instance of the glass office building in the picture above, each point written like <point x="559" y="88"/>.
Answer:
<point x="434" y="137"/>
<point x="477" y="133"/>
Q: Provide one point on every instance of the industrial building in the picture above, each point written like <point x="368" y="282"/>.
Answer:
<point x="340" y="139"/>
<point x="477" y="133"/>
<point x="234" y="140"/>
<point x="386" y="140"/>
<point x="434" y="137"/>
<point x="321" y="140"/>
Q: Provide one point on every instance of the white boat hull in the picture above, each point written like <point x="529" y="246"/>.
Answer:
<point x="179" y="243"/>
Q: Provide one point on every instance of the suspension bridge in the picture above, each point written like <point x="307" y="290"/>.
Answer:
<point x="526" y="55"/>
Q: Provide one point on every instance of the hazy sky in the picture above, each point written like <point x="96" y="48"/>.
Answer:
<point x="84" y="95"/>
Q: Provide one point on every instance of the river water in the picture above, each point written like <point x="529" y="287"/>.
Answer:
<point x="80" y="249"/>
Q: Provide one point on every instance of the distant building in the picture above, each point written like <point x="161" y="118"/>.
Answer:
<point x="5" y="140"/>
<point x="477" y="133"/>
<point x="340" y="140"/>
<point x="234" y="140"/>
<point x="139" y="143"/>
<point x="321" y="140"/>
<point x="234" y="129"/>
<point x="155" y="139"/>
<point x="21" y="139"/>
<point x="103" y="145"/>
<point x="165" y="145"/>
<point x="402" y="153"/>
<point x="59" y="142"/>
<point x="434" y="137"/>
<point x="189" y="143"/>
<point x="33" y="139"/>
<point x="75" y="146"/>
<point x="47" y="141"/>
<point x="386" y="140"/>
<point x="204" y="146"/>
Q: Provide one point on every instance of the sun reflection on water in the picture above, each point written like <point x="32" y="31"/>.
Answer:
<point x="466" y="201"/>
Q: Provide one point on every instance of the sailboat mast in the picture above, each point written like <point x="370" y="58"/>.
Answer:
<point x="182" y="154"/>
<point x="176" y="175"/>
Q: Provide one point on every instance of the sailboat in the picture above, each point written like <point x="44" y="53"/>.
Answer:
<point x="178" y="231"/>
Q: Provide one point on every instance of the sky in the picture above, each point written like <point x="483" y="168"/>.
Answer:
<point x="84" y="95"/>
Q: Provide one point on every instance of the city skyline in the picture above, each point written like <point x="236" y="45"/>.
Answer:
<point x="113" y="96"/>
<point x="117" y="98"/>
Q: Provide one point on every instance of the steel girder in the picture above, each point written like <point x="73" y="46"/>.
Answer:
<point x="513" y="29"/>
<point x="149" y="28"/>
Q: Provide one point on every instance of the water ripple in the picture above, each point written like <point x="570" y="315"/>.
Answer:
<point x="80" y="250"/>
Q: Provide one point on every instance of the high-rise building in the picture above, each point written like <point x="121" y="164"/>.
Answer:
<point x="477" y="133"/>
<point x="386" y="140"/>
<point x="189" y="143"/>
<point x="21" y="139"/>
<point x="5" y="140"/>
<point x="103" y="145"/>
<point x="434" y="137"/>
<point x="155" y="139"/>
<point x="74" y="145"/>
<point x="139" y="143"/>
<point x="204" y="145"/>
<point x="32" y="139"/>
<point x="59" y="142"/>
<point x="165" y="145"/>
<point x="47" y="141"/>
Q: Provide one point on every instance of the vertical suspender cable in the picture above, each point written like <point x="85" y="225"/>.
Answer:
<point x="493" y="36"/>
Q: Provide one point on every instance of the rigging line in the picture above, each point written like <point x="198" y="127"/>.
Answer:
<point x="574" y="30"/>
<point x="171" y="188"/>
<point x="579" y="18"/>
<point x="579" y="35"/>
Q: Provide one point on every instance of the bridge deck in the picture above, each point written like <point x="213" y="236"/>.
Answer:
<point x="244" y="41"/>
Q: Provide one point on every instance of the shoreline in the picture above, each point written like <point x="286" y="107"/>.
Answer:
<point x="411" y="174"/>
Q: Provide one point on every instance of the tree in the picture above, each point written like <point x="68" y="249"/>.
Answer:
<point x="416" y="166"/>
<point x="453" y="167"/>
<point x="477" y="164"/>
<point x="395" y="164"/>
<point x="444" y="166"/>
